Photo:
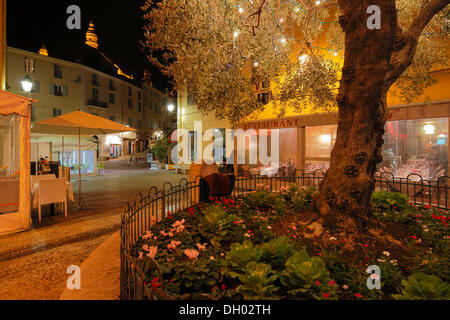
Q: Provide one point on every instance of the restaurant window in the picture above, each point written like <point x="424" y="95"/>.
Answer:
<point x="30" y="65"/>
<point x="57" y="71"/>
<point x="130" y="92"/>
<point x="9" y="164"/>
<point x="112" y="98"/>
<point x="139" y="106"/>
<point x="417" y="147"/>
<point x="130" y="122"/>
<point x="112" y="118"/>
<point x="130" y="104"/>
<point x="320" y="141"/>
<point x="87" y="161"/>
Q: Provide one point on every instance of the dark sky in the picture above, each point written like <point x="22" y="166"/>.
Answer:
<point x="118" y="24"/>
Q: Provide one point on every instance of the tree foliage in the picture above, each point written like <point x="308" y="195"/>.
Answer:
<point x="219" y="49"/>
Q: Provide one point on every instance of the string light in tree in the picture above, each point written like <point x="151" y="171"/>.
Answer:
<point x="303" y="58"/>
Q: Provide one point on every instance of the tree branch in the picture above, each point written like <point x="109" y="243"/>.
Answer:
<point x="256" y="13"/>
<point x="406" y="42"/>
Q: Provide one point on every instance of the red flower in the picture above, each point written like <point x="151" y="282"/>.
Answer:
<point x="358" y="295"/>
<point x="326" y="295"/>
<point x="223" y="287"/>
<point x="366" y="245"/>
<point x="317" y="283"/>
<point x="155" y="283"/>
<point x="414" y="237"/>
<point x="332" y="283"/>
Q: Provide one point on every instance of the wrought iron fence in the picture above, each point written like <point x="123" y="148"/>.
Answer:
<point x="156" y="205"/>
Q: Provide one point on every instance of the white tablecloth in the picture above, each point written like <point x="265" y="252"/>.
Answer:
<point x="69" y="193"/>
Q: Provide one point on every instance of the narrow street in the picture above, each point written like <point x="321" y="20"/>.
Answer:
<point x="33" y="264"/>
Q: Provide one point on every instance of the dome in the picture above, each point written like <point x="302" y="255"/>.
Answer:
<point x="91" y="36"/>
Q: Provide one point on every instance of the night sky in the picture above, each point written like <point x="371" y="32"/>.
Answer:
<point x="118" y="24"/>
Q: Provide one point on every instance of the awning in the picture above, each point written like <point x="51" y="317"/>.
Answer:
<point x="79" y="122"/>
<point x="11" y="103"/>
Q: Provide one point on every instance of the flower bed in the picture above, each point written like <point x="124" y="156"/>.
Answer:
<point x="254" y="247"/>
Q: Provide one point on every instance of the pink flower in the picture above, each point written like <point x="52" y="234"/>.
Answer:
<point x="201" y="247"/>
<point x="173" y="245"/>
<point x="152" y="252"/>
<point x="191" y="253"/>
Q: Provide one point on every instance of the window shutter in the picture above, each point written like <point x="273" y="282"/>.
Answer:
<point x="65" y="91"/>
<point x="37" y="86"/>
<point x="52" y="89"/>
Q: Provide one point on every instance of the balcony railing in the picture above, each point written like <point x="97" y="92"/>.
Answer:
<point x="98" y="104"/>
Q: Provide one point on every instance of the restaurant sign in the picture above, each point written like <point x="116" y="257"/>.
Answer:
<point x="272" y="124"/>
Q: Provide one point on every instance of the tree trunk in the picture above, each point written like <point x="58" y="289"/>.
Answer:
<point x="374" y="60"/>
<point x="346" y="190"/>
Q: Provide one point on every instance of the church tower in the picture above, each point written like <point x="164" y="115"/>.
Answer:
<point x="43" y="51"/>
<point x="91" y="36"/>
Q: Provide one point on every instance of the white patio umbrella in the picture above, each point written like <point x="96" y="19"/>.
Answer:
<point x="79" y="124"/>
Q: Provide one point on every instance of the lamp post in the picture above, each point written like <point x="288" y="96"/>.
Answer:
<point x="27" y="84"/>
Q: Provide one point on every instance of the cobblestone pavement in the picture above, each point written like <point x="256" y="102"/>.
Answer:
<point x="33" y="264"/>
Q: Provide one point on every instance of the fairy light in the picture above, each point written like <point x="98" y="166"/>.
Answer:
<point x="317" y="2"/>
<point x="235" y="34"/>
<point x="335" y="53"/>
<point x="281" y="20"/>
<point x="303" y="58"/>
<point x="241" y="10"/>
<point x="297" y="9"/>
<point x="256" y="64"/>
<point x="283" y="40"/>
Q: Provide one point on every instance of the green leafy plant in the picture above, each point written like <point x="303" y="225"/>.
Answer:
<point x="257" y="282"/>
<point x="220" y="225"/>
<point x="240" y="255"/>
<point x="421" y="286"/>
<point x="305" y="277"/>
<point x="161" y="150"/>
<point x="277" y="252"/>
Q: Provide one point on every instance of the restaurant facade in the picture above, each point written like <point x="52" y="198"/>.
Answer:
<point x="415" y="141"/>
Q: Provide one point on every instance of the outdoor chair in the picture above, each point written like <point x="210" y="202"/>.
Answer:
<point x="50" y="192"/>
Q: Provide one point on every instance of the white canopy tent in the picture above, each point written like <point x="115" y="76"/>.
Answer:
<point x="79" y="124"/>
<point x="15" y="148"/>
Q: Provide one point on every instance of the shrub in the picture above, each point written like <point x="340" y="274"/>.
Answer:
<point x="421" y="286"/>
<point x="306" y="277"/>
<point x="277" y="252"/>
<point x="257" y="282"/>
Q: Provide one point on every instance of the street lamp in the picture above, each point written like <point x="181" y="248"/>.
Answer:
<point x="171" y="107"/>
<point x="27" y="84"/>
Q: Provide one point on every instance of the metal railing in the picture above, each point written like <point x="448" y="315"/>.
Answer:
<point x="156" y="205"/>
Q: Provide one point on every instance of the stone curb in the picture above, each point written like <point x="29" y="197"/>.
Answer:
<point x="100" y="273"/>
